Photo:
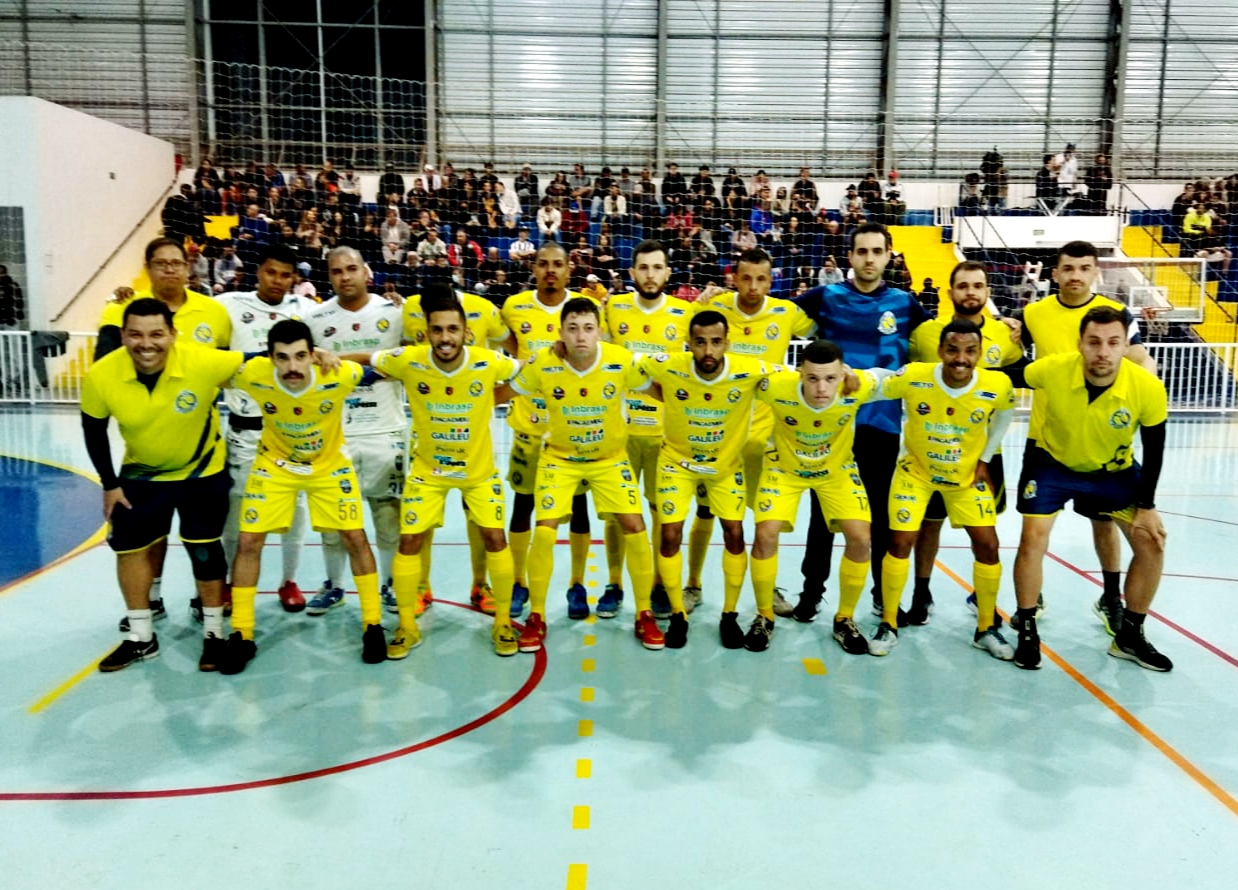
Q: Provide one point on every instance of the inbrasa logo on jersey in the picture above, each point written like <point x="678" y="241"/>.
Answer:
<point x="475" y="388"/>
<point x="887" y="324"/>
<point x="268" y="407"/>
<point x="1120" y="419"/>
<point x="247" y="317"/>
<point x="922" y="409"/>
<point x="186" y="401"/>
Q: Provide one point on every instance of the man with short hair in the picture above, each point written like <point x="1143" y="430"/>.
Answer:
<point x="674" y="187"/>
<point x="1091" y="403"/>
<point x="163" y="396"/>
<point x="804" y="189"/>
<point x="702" y="186"/>
<point x="301" y="450"/>
<point x="432" y="249"/>
<point x="526" y="186"/>
<point x="394" y="229"/>
<point x="522" y="249"/>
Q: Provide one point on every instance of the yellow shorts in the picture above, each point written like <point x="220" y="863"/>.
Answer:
<point x="425" y="499"/>
<point x="643" y="456"/>
<point x="612" y="482"/>
<point x="272" y="487"/>
<point x="909" y="498"/>
<point x="841" y="494"/>
<point x="724" y="493"/>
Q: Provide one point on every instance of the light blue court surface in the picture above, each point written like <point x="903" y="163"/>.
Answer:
<point x="600" y="765"/>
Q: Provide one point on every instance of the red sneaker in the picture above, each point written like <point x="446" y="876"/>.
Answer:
<point x="424" y="601"/>
<point x="533" y="634"/>
<point x="291" y="598"/>
<point x="648" y="632"/>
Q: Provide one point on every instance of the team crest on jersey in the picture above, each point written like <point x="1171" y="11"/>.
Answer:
<point x="297" y="410"/>
<point x="268" y="407"/>
<point x="923" y="409"/>
<point x="423" y="388"/>
<point x="410" y="518"/>
<point x="771" y="332"/>
<point x="993" y="355"/>
<point x="1120" y="419"/>
<point x="548" y="503"/>
<point x="186" y="401"/>
<point x="608" y="391"/>
<point x="842" y="420"/>
<point x="855" y="478"/>
<point x="904" y="515"/>
<point x="475" y="388"/>
<point x="517" y="477"/>
<point x="709" y="396"/>
<point x="584" y="392"/>
<point x="949" y="410"/>
<point x="326" y="407"/>
<point x="251" y="516"/>
<point x="816" y="424"/>
<point x="977" y="416"/>
<point x="247" y="318"/>
<point x="525" y="327"/>
<point x="765" y="505"/>
<point x="558" y="393"/>
<point x="887" y="324"/>
<point x="668" y="507"/>
<point x="626" y="474"/>
<point x="681" y="394"/>
<point x="450" y="391"/>
<point x="1029" y="490"/>
<point x="383" y="324"/>
<point x="670" y="333"/>
<point x="202" y="333"/>
<point x="733" y="396"/>
<point x="329" y="332"/>
<point x="646" y="329"/>
<point x="346" y="486"/>
<point x="356" y="326"/>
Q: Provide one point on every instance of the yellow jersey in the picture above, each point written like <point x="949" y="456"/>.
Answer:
<point x="707" y="420"/>
<point x="812" y="443"/>
<point x="766" y="333"/>
<point x="451" y="409"/>
<point x="200" y="319"/>
<point x="535" y="326"/>
<point x="482" y="317"/>
<point x="171" y="432"/>
<point x="586" y="420"/>
<point x="662" y="328"/>
<point x="1088" y="436"/>
<point x="997" y="349"/>
<point x="946" y="430"/>
<point x="303" y="428"/>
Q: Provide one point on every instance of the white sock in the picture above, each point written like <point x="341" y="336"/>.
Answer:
<point x="213" y="621"/>
<point x="156" y="590"/>
<point x="292" y="540"/>
<point x="335" y="557"/>
<point x="141" y="625"/>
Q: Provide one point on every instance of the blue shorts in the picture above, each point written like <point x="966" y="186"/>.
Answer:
<point x="1046" y="485"/>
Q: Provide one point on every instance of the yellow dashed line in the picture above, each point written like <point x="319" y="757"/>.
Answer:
<point x="577" y="876"/>
<point x="592" y="582"/>
<point x="592" y="619"/>
<point x="588" y="665"/>
<point x="580" y="818"/>
<point x="585" y="728"/>
<point x="584" y="768"/>
<point x="586" y="693"/>
<point x="590" y="640"/>
<point x="815" y="666"/>
<point x="593" y="568"/>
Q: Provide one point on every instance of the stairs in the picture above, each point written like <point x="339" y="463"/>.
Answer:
<point x="927" y="256"/>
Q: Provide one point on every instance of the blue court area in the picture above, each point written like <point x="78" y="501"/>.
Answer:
<point x="602" y="765"/>
<point x="43" y="506"/>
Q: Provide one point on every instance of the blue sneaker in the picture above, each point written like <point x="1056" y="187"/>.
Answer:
<point x="389" y="603"/>
<point x="577" y="602"/>
<point x="659" y="602"/>
<point x="520" y="596"/>
<point x="610" y="602"/>
<point x="326" y="599"/>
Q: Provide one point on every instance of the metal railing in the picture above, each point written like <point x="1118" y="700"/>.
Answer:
<point x="27" y="376"/>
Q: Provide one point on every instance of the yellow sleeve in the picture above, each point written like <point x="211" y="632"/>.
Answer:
<point x="113" y="315"/>
<point x="528" y="381"/>
<point x="1156" y="407"/>
<point x="637" y="379"/>
<point x="895" y="386"/>
<point x="224" y="364"/>
<point x="496" y="331"/>
<point x="350" y="374"/>
<point x="222" y="325"/>
<point x="919" y="350"/>
<point x="408" y="331"/>
<point x="505" y="367"/>
<point x="802" y="326"/>
<point x="247" y="372"/>
<point x="383" y="361"/>
<point x="92" y="399"/>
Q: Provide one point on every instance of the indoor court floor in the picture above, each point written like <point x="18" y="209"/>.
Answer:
<point x="600" y="765"/>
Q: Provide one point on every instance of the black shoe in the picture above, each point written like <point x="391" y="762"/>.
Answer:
<point x="1027" y="652"/>
<point x="758" y="636"/>
<point x="659" y="602"/>
<point x="730" y="631"/>
<point x="157" y="613"/>
<point x="213" y="649"/>
<point x="195" y="609"/>
<point x="1134" y="647"/>
<point x="128" y="652"/>
<point x="1110" y="613"/>
<point x="239" y="652"/>
<point x="918" y="614"/>
<point x="850" y="637"/>
<point x="677" y="633"/>
<point x="374" y="644"/>
<point x="879" y="612"/>
<point x="806" y="609"/>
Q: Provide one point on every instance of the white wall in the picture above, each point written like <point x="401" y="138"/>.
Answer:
<point x="84" y="183"/>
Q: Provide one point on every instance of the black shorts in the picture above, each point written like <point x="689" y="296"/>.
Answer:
<point x="1045" y="486"/>
<point x="202" y="505"/>
<point x="936" y="510"/>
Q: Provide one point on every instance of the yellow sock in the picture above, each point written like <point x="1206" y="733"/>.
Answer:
<point x="852" y="576"/>
<point x="499" y="567"/>
<point x="614" y="552"/>
<point x="371" y="603"/>
<point x="405" y="576"/>
<point x="477" y="552"/>
<point x="579" y="543"/>
<point x="518" y="542"/>
<point x="243" y="610"/>
<point x="427" y="547"/>
<point x="541" y="566"/>
<point x="671" y="570"/>
<point x="734" y="567"/>
<point x="698" y="546"/>
<point x="764" y="576"/>
<point x="986" y="579"/>
<point x="640" y="570"/>
<point x="894" y="572"/>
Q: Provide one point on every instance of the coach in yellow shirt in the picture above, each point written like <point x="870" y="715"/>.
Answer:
<point x="162" y="394"/>
<point x="1092" y="401"/>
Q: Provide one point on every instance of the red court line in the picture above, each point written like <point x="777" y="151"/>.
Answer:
<point x="1222" y="796"/>
<point x="1218" y="652"/>
<point x="535" y="677"/>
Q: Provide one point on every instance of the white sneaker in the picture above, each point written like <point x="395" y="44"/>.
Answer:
<point x="782" y="608"/>
<point x="885" y="639"/>
<point x="994" y="643"/>
<point x="692" y="598"/>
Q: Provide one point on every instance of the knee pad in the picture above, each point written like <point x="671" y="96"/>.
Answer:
<point x="207" y="560"/>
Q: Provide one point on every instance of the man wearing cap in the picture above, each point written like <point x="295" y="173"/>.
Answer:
<point x="430" y="181"/>
<point x="594" y="288"/>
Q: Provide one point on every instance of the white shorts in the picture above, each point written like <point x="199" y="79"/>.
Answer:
<point x="381" y="461"/>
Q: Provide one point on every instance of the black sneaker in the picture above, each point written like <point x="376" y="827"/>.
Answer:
<point x="213" y="649"/>
<point x="238" y="653"/>
<point x="1110" y="613"/>
<point x="730" y="632"/>
<point x="374" y="644"/>
<point x="677" y="633"/>
<point x="850" y="637"/>
<point x="157" y="613"/>
<point x="879" y="611"/>
<point x="659" y="602"/>
<point x="758" y="636"/>
<point x="806" y="609"/>
<point x="918" y="614"/>
<point x="1134" y="647"/>
<point x="128" y="652"/>
<point x="195" y="609"/>
<point x="1027" y="653"/>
